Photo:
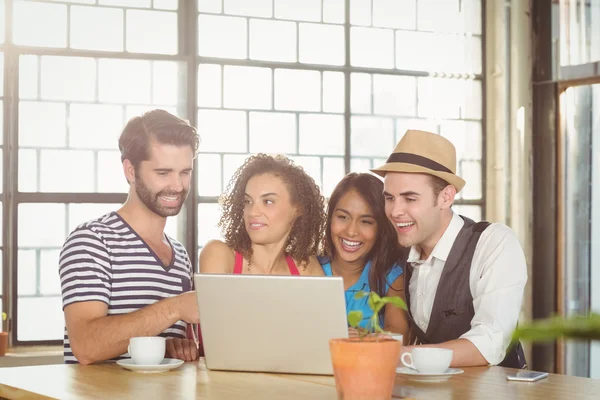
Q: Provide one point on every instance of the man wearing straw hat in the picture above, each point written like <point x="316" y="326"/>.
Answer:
<point x="464" y="281"/>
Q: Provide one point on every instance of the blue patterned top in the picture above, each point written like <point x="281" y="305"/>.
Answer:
<point x="353" y="304"/>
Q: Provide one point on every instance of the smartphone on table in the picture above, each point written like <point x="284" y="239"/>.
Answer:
<point x="527" y="376"/>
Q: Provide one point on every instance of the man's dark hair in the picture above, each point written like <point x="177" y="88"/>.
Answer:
<point x="156" y="125"/>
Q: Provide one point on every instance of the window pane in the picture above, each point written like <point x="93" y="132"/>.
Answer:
<point x="209" y="85"/>
<point x="68" y="78"/>
<point x="297" y="90"/>
<point x="252" y="8"/>
<point x="449" y="98"/>
<point x="333" y="172"/>
<point x="49" y="280"/>
<point x="210" y="6"/>
<point x="208" y="215"/>
<point x="333" y="92"/>
<point x="272" y="40"/>
<point x="27" y="279"/>
<point x="360" y="12"/>
<point x="124" y="81"/>
<point x="360" y="164"/>
<point x="473" y="212"/>
<point x="94" y="126"/>
<point x="372" y="47"/>
<point x="395" y="14"/>
<point x="166" y="4"/>
<point x="222" y="36"/>
<point x="231" y="162"/>
<point x="126" y="3"/>
<point x="312" y="166"/>
<point x="322" y="134"/>
<point x="28" y="77"/>
<point x="247" y="87"/>
<point x="460" y="53"/>
<point x="28" y="171"/>
<point x="450" y="16"/>
<point x="360" y="96"/>
<point x="272" y="132"/>
<point x="372" y="136"/>
<point x="40" y="24"/>
<point x="40" y="318"/>
<point x="42" y="124"/>
<point x="111" y="178"/>
<point x="466" y="137"/>
<point x="470" y="171"/>
<point x="166" y="82"/>
<point x="322" y="44"/>
<point x="209" y="175"/>
<point x="334" y="11"/>
<point x="86" y="22"/>
<point x="151" y="32"/>
<point x="394" y="95"/>
<point x="41" y="225"/>
<point x="58" y="175"/>
<point x="305" y="10"/>
<point x="222" y="131"/>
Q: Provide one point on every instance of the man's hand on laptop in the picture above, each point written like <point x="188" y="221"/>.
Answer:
<point x="187" y="307"/>
<point x="183" y="349"/>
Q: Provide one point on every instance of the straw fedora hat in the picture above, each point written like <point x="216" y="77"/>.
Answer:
<point x="424" y="153"/>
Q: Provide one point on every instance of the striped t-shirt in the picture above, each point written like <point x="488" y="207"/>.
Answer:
<point x="106" y="260"/>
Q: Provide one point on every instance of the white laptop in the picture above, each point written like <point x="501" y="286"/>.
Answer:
<point x="270" y="323"/>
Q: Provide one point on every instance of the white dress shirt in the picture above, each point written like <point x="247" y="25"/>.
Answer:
<point x="497" y="282"/>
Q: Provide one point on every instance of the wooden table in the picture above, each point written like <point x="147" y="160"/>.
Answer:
<point x="193" y="381"/>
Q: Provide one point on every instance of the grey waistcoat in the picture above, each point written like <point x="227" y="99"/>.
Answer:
<point x="453" y="310"/>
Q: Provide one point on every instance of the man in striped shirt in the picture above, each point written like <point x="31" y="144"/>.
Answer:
<point x="121" y="275"/>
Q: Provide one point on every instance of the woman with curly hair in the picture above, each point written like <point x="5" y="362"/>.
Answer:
<point x="361" y="246"/>
<point x="272" y="221"/>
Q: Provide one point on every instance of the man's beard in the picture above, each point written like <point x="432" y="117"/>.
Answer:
<point x="151" y="200"/>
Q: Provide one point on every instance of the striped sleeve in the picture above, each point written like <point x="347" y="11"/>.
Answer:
<point x="84" y="268"/>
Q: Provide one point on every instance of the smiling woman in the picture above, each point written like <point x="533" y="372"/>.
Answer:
<point x="272" y="219"/>
<point x="360" y="245"/>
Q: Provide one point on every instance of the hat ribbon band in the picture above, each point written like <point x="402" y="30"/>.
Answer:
<point x="414" y="159"/>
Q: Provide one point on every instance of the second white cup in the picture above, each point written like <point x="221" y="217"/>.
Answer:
<point x="147" y="350"/>
<point x="428" y="360"/>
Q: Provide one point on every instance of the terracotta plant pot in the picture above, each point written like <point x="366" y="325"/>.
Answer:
<point x="3" y="343"/>
<point x="364" y="368"/>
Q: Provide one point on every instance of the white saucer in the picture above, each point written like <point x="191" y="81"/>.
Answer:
<point x="417" y="376"/>
<point x="165" y="365"/>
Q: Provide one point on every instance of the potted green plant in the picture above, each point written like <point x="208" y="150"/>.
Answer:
<point x="364" y="367"/>
<point x="3" y="337"/>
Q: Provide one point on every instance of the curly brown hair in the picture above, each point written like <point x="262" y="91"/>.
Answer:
<point x="307" y="232"/>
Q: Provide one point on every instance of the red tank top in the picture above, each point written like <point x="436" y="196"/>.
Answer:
<point x="239" y="261"/>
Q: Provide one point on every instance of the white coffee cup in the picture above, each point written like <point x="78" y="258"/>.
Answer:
<point x="428" y="360"/>
<point x="147" y="350"/>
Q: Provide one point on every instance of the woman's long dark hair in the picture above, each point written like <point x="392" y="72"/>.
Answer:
<point x="386" y="250"/>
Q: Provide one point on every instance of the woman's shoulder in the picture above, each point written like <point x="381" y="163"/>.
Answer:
<point x="313" y="267"/>
<point x="216" y="256"/>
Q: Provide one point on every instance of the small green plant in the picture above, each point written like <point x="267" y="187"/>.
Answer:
<point x="376" y="303"/>
<point x="583" y="327"/>
<point x="3" y="316"/>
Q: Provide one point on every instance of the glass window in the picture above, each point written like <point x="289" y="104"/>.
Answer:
<point x="49" y="20"/>
<point x="86" y="22"/>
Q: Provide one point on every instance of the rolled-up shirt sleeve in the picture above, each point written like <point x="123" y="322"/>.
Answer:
<point x="497" y="281"/>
